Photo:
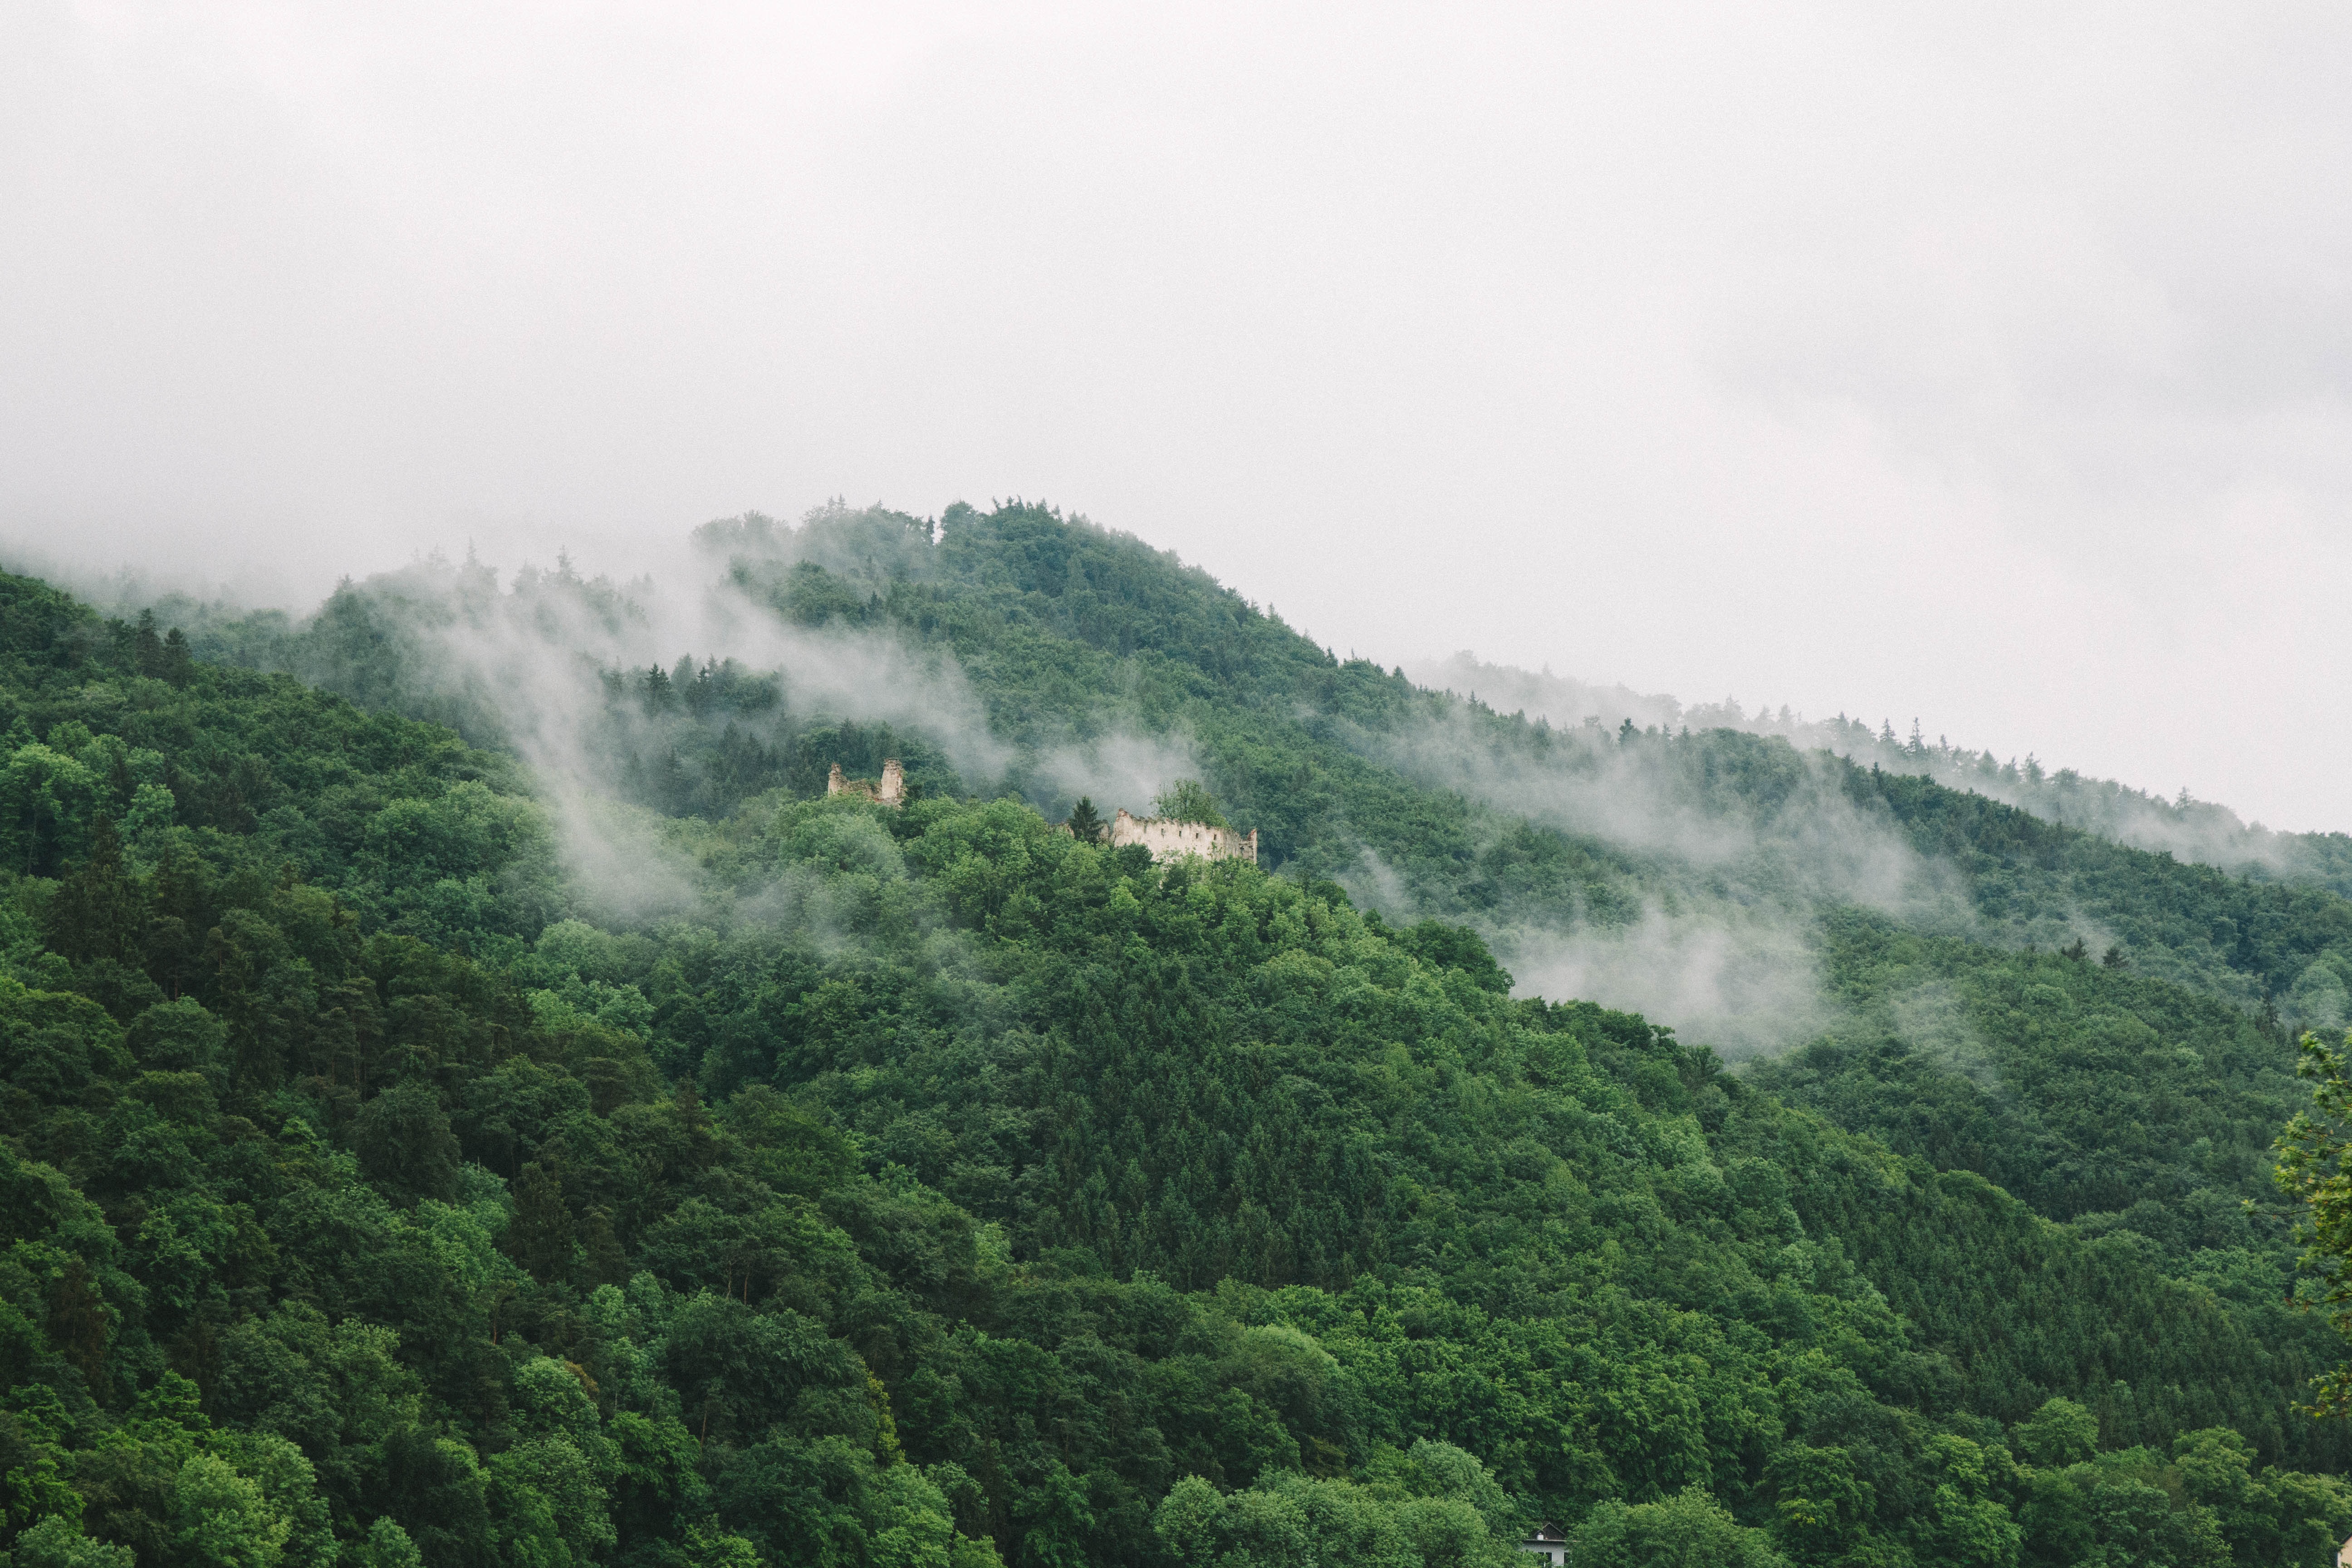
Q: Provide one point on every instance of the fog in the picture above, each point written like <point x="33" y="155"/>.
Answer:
<point x="2189" y="829"/>
<point x="553" y="667"/>
<point x="1993" y="366"/>
<point x="1700" y="878"/>
<point x="1737" y="875"/>
<point x="1733" y="882"/>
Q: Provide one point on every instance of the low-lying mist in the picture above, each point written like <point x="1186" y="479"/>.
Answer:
<point x="1625" y="849"/>
<point x="1748" y="833"/>
<point x="1734" y="851"/>
<point x="690" y="690"/>
<point x="2190" y="829"/>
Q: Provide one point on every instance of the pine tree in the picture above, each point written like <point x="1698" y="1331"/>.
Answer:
<point x="178" y="664"/>
<point x="98" y="911"/>
<point x="147" y="648"/>
<point x="540" y="1234"/>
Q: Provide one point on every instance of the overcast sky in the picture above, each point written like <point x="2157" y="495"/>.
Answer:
<point x="1989" y="363"/>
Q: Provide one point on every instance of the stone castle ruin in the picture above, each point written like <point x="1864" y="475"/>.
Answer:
<point x="890" y="792"/>
<point x="1166" y="837"/>
<point x="1169" y="839"/>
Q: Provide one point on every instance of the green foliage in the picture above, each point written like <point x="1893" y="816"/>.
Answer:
<point x="1292" y="1518"/>
<point x="1188" y="800"/>
<point x="1687" y="1529"/>
<point x="403" y="1143"/>
<point x="388" y="1546"/>
<point x="2312" y="1172"/>
<point x="933" y="1187"/>
<point x="55" y="1544"/>
<point x="2060" y="1433"/>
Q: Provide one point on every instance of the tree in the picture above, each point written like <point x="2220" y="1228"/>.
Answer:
<point x="98" y="911"/>
<point x="1819" y="1509"/>
<point x="540" y="1234"/>
<point x="404" y="1144"/>
<point x="2312" y="1170"/>
<point x="220" y="1519"/>
<point x="181" y="1037"/>
<point x="48" y="802"/>
<point x="178" y="666"/>
<point x="147" y="648"/>
<point x="1188" y="800"/>
<point x="59" y="1544"/>
<point x="1687" y="1529"/>
<point x="2060" y="1433"/>
<point x="433" y="1486"/>
<point x="388" y="1546"/>
<point x="1084" y="826"/>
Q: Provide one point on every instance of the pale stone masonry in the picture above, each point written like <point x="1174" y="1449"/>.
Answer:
<point x="1169" y="840"/>
<point x="890" y="792"/>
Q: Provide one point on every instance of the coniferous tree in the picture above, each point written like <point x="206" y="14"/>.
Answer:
<point x="178" y="666"/>
<point x="147" y="648"/>
<point x="98" y="911"/>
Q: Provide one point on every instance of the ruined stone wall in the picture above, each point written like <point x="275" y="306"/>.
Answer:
<point x="1168" y="839"/>
<point x="892" y="791"/>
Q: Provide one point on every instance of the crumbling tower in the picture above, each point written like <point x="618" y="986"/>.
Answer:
<point x="890" y="792"/>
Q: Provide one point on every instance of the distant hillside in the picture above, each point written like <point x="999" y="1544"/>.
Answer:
<point x="2189" y="829"/>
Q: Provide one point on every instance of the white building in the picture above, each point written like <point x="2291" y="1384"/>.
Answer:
<point x="1547" y="1545"/>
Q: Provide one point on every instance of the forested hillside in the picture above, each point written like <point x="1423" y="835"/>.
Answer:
<point x="2192" y="829"/>
<point x="575" y="1140"/>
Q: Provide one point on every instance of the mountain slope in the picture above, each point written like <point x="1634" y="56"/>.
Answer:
<point x="1712" y="874"/>
<point x="929" y="1183"/>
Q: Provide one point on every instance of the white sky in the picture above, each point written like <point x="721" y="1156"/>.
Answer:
<point x="1990" y="364"/>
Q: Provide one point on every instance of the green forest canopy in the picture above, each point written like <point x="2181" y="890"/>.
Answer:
<point x="944" y="1190"/>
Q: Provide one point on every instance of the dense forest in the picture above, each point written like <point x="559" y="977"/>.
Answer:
<point x="471" y="1099"/>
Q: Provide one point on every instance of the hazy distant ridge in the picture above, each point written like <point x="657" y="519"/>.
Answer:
<point x="2202" y="831"/>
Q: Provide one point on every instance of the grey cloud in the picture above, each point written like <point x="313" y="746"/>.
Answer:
<point x="1989" y="365"/>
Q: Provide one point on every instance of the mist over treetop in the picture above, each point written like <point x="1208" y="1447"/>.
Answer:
<point x="1019" y="649"/>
